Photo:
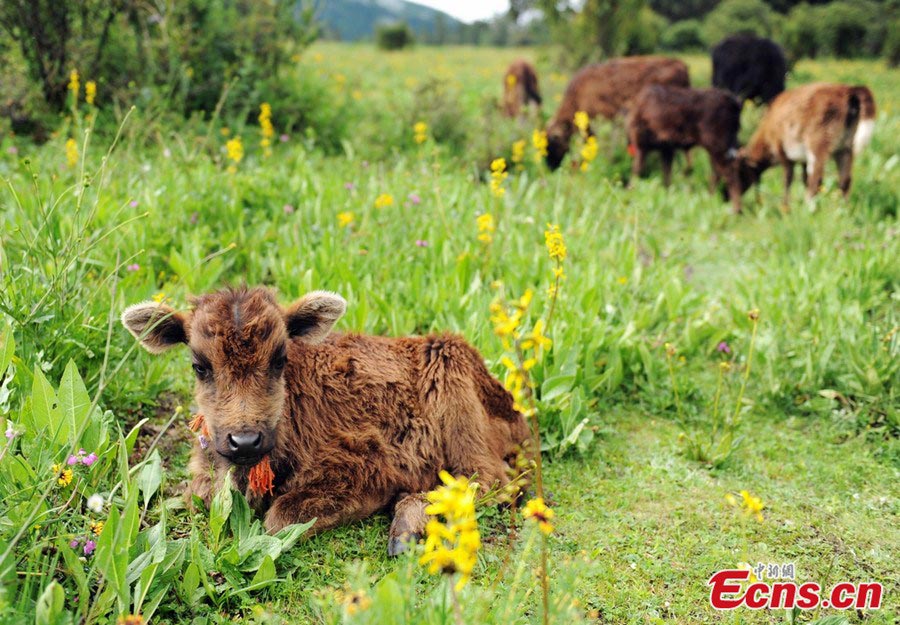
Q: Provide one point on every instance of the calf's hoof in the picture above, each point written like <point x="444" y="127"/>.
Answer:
<point x="401" y="544"/>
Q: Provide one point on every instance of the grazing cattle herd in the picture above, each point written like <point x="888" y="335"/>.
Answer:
<point x="664" y="114"/>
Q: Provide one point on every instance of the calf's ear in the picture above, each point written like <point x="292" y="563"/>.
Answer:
<point x="156" y="326"/>
<point x="312" y="316"/>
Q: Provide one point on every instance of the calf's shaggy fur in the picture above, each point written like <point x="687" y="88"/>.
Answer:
<point x="665" y="118"/>
<point x="607" y="89"/>
<point x="807" y="125"/>
<point x="520" y="87"/>
<point x="352" y="424"/>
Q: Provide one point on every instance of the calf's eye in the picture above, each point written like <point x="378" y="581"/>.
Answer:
<point x="278" y="361"/>
<point x="202" y="370"/>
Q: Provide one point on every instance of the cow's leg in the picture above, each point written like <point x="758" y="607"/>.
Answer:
<point x="815" y="167"/>
<point x="689" y="162"/>
<point x="637" y="164"/>
<point x="329" y="509"/>
<point x="788" y="180"/>
<point x="408" y="524"/>
<point x="844" y="161"/>
<point x="668" y="155"/>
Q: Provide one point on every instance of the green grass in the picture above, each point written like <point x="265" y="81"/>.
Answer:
<point x="820" y="417"/>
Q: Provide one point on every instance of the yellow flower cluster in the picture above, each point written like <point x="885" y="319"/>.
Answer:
<point x="384" y="200"/>
<point x="511" y="80"/>
<point x="582" y="122"/>
<point x="235" y="150"/>
<point x="97" y="527"/>
<point x="556" y="245"/>
<point x="71" y="152"/>
<point x="751" y="505"/>
<point x="486" y="227"/>
<point x="452" y="546"/>
<point x="266" y="129"/>
<point x="90" y="92"/>
<point x="498" y="175"/>
<point x="518" y="153"/>
<point x="539" y="142"/>
<point x="420" y="132"/>
<point x="64" y="476"/>
<point x="356" y="601"/>
<point x="538" y="511"/>
<point x="74" y="85"/>
<point x="588" y="152"/>
<point x="345" y="219"/>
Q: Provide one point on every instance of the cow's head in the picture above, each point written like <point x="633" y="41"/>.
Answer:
<point x="559" y="133"/>
<point x="240" y="344"/>
<point x="749" y="168"/>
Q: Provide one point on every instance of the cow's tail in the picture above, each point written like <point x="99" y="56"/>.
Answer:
<point x="531" y="89"/>
<point x="861" y="113"/>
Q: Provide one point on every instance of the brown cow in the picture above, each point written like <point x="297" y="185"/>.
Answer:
<point x="351" y="424"/>
<point x="807" y="125"/>
<point x="520" y="87"/>
<point x="607" y="89"/>
<point x="667" y="119"/>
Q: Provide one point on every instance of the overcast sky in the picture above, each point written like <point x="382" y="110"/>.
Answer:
<point x="468" y="10"/>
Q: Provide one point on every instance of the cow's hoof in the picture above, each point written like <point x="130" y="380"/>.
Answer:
<point x="401" y="544"/>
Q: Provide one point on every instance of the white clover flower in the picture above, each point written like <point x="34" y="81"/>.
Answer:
<point x="95" y="503"/>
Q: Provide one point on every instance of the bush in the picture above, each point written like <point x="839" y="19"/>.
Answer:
<point x="891" y="48"/>
<point x="643" y="35"/>
<point x="739" y="16"/>
<point x="394" y="36"/>
<point x="683" y="35"/>
<point x="801" y="32"/>
<point x="851" y="29"/>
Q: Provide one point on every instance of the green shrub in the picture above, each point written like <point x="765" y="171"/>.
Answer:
<point x="683" y="35"/>
<point x="800" y="32"/>
<point x="850" y="29"/>
<point x="394" y="36"/>
<point x="891" y="50"/>
<point x="643" y="35"/>
<point x="739" y="16"/>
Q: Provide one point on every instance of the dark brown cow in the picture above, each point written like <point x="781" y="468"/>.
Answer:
<point x="807" y="125"/>
<point x="520" y="87"/>
<point x="352" y="424"/>
<point x="666" y="119"/>
<point x="607" y="89"/>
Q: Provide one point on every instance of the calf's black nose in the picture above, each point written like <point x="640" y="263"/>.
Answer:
<point x="245" y="442"/>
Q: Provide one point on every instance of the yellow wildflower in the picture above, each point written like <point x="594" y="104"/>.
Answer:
<point x="556" y="245"/>
<point x="589" y="152"/>
<point x="582" y="122"/>
<point x="539" y="142"/>
<point x="74" y="85"/>
<point x="518" y="152"/>
<point x="537" y="510"/>
<point x="753" y="315"/>
<point x="159" y="297"/>
<point x="90" y="92"/>
<point x="536" y="340"/>
<point x="357" y="601"/>
<point x="486" y="227"/>
<point x="452" y="546"/>
<point x="511" y="80"/>
<point x="97" y="527"/>
<point x="71" y="152"/>
<point x="345" y="218"/>
<point x="752" y="505"/>
<point x="266" y="129"/>
<point x="225" y="131"/>
<point x="64" y="476"/>
<point x="420" y="132"/>
<point x="743" y="566"/>
<point x="670" y="349"/>
<point x="384" y="200"/>
<point x="498" y="175"/>
<point x="235" y="150"/>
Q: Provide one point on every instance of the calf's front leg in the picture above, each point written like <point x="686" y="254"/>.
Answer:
<point x="408" y="524"/>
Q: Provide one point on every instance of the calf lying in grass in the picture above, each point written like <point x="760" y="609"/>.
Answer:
<point x="807" y="125"/>
<point x="669" y="118"/>
<point x="349" y="424"/>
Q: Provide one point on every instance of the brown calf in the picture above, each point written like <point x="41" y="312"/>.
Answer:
<point x="520" y="87"/>
<point x="351" y="424"/>
<point x="607" y="89"/>
<point x="807" y="125"/>
<point x="667" y="119"/>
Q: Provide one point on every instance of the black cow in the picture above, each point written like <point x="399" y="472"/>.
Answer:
<point x="750" y="67"/>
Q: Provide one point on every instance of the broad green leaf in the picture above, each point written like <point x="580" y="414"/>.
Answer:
<point x="190" y="582"/>
<point x="46" y="418"/>
<point x="220" y="510"/>
<point x="292" y="533"/>
<point x="255" y="548"/>
<point x="49" y="607"/>
<point x="265" y="573"/>
<point x="74" y="402"/>
<point x="556" y="386"/>
<point x="7" y="349"/>
<point x="150" y="477"/>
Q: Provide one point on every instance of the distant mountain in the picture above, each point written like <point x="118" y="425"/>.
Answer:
<point x="351" y="20"/>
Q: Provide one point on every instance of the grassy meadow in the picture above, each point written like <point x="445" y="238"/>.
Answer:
<point x="653" y="408"/>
